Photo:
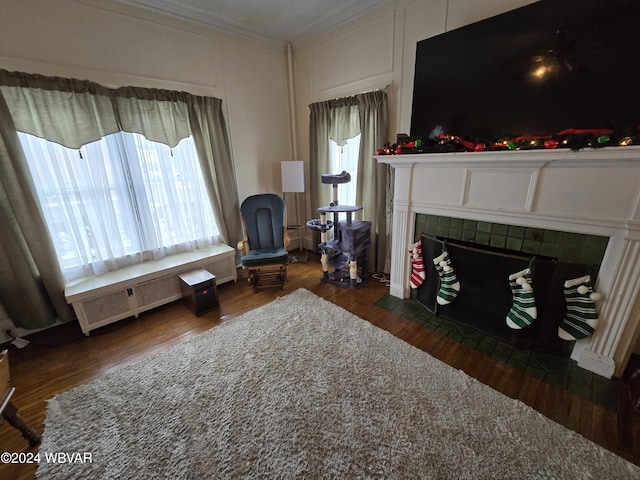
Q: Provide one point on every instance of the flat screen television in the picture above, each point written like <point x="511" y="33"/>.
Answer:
<point x="534" y="71"/>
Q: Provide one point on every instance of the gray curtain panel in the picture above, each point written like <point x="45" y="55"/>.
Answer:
<point x="214" y="151"/>
<point x="341" y="119"/>
<point x="31" y="283"/>
<point x="375" y="191"/>
<point x="75" y="112"/>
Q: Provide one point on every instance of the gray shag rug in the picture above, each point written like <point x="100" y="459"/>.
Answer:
<point x="301" y="388"/>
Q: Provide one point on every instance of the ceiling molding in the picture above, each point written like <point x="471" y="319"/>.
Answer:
<point x="260" y="20"/>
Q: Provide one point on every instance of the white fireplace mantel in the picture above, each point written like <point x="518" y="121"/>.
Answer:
<point x="592" y="191"/>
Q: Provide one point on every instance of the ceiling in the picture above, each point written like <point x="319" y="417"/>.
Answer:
<point x="276" y="22"/>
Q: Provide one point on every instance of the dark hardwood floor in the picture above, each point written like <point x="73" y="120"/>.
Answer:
<point x="61" y="359"/>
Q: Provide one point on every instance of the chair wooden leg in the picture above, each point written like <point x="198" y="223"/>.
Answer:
<point x="270" y="278"/>
<point x="15" y="420"/>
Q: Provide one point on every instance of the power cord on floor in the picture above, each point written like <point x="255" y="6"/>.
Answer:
<point x="382" y="278"/>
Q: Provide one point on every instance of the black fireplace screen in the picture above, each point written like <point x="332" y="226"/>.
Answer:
<point x="485" y="297"/>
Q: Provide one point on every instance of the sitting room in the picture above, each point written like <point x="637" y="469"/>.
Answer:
<point x="241" y="239"/>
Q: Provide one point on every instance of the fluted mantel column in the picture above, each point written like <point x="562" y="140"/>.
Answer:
<point x="608" y="350"/>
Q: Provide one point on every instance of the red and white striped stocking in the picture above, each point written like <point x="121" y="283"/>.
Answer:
<point x="417" y="265"/>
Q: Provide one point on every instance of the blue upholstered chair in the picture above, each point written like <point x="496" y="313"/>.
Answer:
<point x="265" y="244"/>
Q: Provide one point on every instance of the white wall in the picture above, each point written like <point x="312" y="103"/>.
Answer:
<point x="117" y="45"/>
<point x="258" y="116"/>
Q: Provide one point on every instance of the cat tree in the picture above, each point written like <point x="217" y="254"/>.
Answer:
<point x="346" y="251"/>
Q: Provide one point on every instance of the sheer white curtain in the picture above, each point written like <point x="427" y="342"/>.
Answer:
<point x="345" y="158"/>
<point x="120" y="200"/>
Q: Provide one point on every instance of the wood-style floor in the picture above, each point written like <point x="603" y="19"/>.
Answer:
<point x="58" y="361"/>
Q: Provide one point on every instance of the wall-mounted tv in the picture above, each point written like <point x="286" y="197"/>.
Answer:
<point x="534" y="71"/>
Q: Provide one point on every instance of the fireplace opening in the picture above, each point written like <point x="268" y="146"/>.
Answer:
<point x="485" y="297"/>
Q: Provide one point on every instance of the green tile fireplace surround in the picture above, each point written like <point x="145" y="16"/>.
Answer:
<point x="564" y="246"/>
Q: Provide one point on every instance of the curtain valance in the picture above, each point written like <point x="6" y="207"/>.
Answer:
<point x="342" y="117"/>
<point x="76" y="112"/>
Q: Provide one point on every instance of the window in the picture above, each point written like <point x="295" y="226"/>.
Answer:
<point x="120" y="200"/>
<point x="345" y="158"/>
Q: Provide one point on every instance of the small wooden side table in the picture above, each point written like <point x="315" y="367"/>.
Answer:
<point x="199" y="290"/>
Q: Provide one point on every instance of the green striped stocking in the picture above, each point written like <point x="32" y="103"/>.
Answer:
<point x="523" y="311"/>
<point x="582" y="317"/>
<point x="449" y="284"/>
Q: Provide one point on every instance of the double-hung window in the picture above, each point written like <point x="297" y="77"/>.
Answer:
<point x="120" y="200"/>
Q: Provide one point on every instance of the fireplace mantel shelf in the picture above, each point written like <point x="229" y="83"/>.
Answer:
<point x="591" y="191"/>
<point x="520" y="158"/>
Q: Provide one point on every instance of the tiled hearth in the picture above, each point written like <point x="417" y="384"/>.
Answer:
<point x="589" y="201"/>
<point x="554" y="369"/>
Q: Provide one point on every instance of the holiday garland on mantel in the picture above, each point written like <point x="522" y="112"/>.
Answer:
<point x="573" y="138"/>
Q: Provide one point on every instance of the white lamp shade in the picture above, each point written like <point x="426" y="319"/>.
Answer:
<point x="292" y="176"/>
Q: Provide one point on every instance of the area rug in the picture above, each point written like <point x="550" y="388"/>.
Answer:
<point x="301" y="388"/>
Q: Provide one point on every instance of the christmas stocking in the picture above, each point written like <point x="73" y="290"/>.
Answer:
<point x="417" y="265"/>
<point x="523" y="311"/>
<point x="449" y="284"/>
<point x="581" y="318"/>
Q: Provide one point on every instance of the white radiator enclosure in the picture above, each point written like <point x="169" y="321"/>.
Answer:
<point x="104" y="299"/>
